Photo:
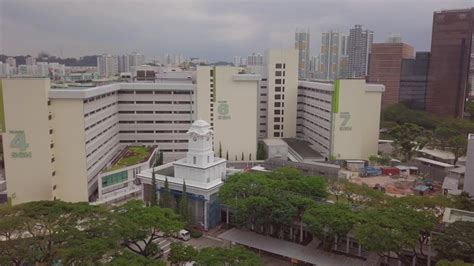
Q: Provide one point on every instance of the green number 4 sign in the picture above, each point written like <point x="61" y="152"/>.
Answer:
<point x="19" y="141"/>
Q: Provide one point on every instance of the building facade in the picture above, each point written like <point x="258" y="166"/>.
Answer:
<point x="108" y="65"/>
<point x="302" y="46"/>
<point x="340" y="119"/>
<point x="414" y="79"/>
<point x="451" y="48"/>
<point x="228" y="98"/>
<point x="358" y="49"/>
<point x="333" y="47"/>
<point x="385" y="68"/>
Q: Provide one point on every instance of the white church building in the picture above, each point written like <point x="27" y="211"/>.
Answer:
<point x="200" y="170"/>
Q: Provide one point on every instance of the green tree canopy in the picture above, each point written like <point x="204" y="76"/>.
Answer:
<point x="384" y="230"/>
<point x="141" y="226"/>
<point x="236" y="256"/>
<point x="456" y="241"/>
<point x="401" y="114"/>
<point x="45" y="231"/>
<point x="329" y="220"/>
<point x="409" y="137"/>
<point x="181" y="253"/>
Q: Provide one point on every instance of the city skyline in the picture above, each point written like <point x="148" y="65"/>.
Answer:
<point x="238" y="28"/>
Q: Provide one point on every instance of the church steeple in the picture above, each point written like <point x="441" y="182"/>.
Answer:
<point x="200" y="151"/>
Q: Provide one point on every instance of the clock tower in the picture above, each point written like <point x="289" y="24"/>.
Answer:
<point x="200" y="153"/>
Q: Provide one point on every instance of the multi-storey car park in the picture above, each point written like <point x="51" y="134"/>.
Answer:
<point x="69" y="144"/>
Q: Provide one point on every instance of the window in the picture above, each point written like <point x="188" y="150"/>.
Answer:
<point x="276" y="127"/>
<point x="276" y="119"/>
<point x="194" y="159"/>
<point x="50" y="117"/>
<point x="278" y="81"/>
<point x="277" y="104"/>
<point x="53" y="173"/>
<point x="278" y="73"/>
<point x="212" y="72"/>
<point x="277" y="88"/>
<point x="277" y="96"/>
<point x="51" y="131"/>
<point x="114" y="178"/>
<point x="277" y="112"/>
<point x="52" y="160"/>
<point x="276" y="134"/>
<point x="51" y="145"/>
<point x="278" y="65"/>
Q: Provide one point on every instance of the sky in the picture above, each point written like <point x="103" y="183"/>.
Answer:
<point x="215" y="30"/>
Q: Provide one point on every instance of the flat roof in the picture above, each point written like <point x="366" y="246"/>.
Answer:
<point x="308" y="254"/>
<point x="84" y="93"/>
<point x="302" y="147"/>
<point x="132" y="155"/>
<point x="426" y="160"/>
<point x="275" y="142"/>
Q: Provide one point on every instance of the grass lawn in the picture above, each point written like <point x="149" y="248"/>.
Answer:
<point x="134" y="155"/>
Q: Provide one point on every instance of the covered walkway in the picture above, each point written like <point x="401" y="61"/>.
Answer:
<point x="308" y="254"/>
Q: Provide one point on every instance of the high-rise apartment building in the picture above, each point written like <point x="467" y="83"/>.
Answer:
<point x="414" y="79"/>
<point x="333" y="47"/>
<point x="11" y="61"/>
<point x="108" y="65"/>
<point x="313" y="67"/>
<point x="302" y="45"/>
<point x="385" y="68"/>
<point x="451" y="49"/>
<point x="358" y="49"/>
<point x="255" y="59"/>
<point x="30" y="61"/>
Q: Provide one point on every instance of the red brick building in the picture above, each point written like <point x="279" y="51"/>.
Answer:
<point x="448" y="76"/>
<point x="385" y="68"/>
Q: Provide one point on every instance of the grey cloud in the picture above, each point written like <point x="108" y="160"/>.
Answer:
<point x="216" y="30"/>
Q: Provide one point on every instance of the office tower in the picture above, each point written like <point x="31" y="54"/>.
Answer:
<point x="282" y="91"/>
<point x="30" y="61"/>
<point x="11" y="61"/>
<point x="451" y="50"/>
<point x="333" y="45"/>
<point x="358" y="49"/>
<point x="255" y="59"/>
<point x="123" y="64"/>
<point x="43" y="69"/>
<point x="237" y="61"/>
<point x="107" y="65"/>
<point x="302" y="45"/>
<point x="385" y="68"/>
<point x="414" y="79"/>
<point x="136" y="59"/>
<point x="167" y="59"/>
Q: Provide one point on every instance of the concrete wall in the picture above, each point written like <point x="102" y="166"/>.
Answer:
<point x="288" y="59"/>
<point x="356" y="119"/>
<point x="469" y="175"/>
<point x="28" y="168"/>
<point x="69" y="143"/>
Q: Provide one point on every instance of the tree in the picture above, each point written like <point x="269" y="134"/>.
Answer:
<point x="166" y="198"/>
<point x="380" y="159"/>
<point x="452" y="263"/>
<point x="327" y="221"/>
<point x="183" y="208"/>
<point x="456" y="241"/>
<point x="160" y="162"/>
<point x="43" y="232"/>
<point x="153" y="195"/>
<point x="129" y="258"/>
<point x="227" y="155"/>
<point x="242" y="156"/>
<point x="385" y="230"/>
<point x="220" y="150"/>
<point x="400" y="114"/>
<point x="451" y="135"/>
<point x="464" y="202"/>
<point x="236" y="256"/>
<point x="261" y="153"/>
<point x="141" y="226"/>
<point x="408" y="138"/>
<point x="181" y="253"/>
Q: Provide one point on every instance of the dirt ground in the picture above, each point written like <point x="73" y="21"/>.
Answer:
<point x="398" y="187"/>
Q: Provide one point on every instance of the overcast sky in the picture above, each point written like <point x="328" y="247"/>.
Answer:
<point x="216" y="30"/>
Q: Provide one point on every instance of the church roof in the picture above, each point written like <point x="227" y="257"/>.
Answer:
<point x="200" y="127"/>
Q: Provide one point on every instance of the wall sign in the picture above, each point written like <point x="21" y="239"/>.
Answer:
<point x="223" y="110"/>
<point x="346" y="118"/>
<point x="19" y="142"/>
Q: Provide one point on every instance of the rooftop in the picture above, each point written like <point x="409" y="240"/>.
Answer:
<point x="302" y="147"/>
<point x="132" y="155"/>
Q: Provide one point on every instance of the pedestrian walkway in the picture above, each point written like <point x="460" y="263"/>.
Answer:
<point x="308" y="254"/>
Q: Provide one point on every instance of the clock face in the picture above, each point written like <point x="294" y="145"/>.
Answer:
<point x="194" y="138"/>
